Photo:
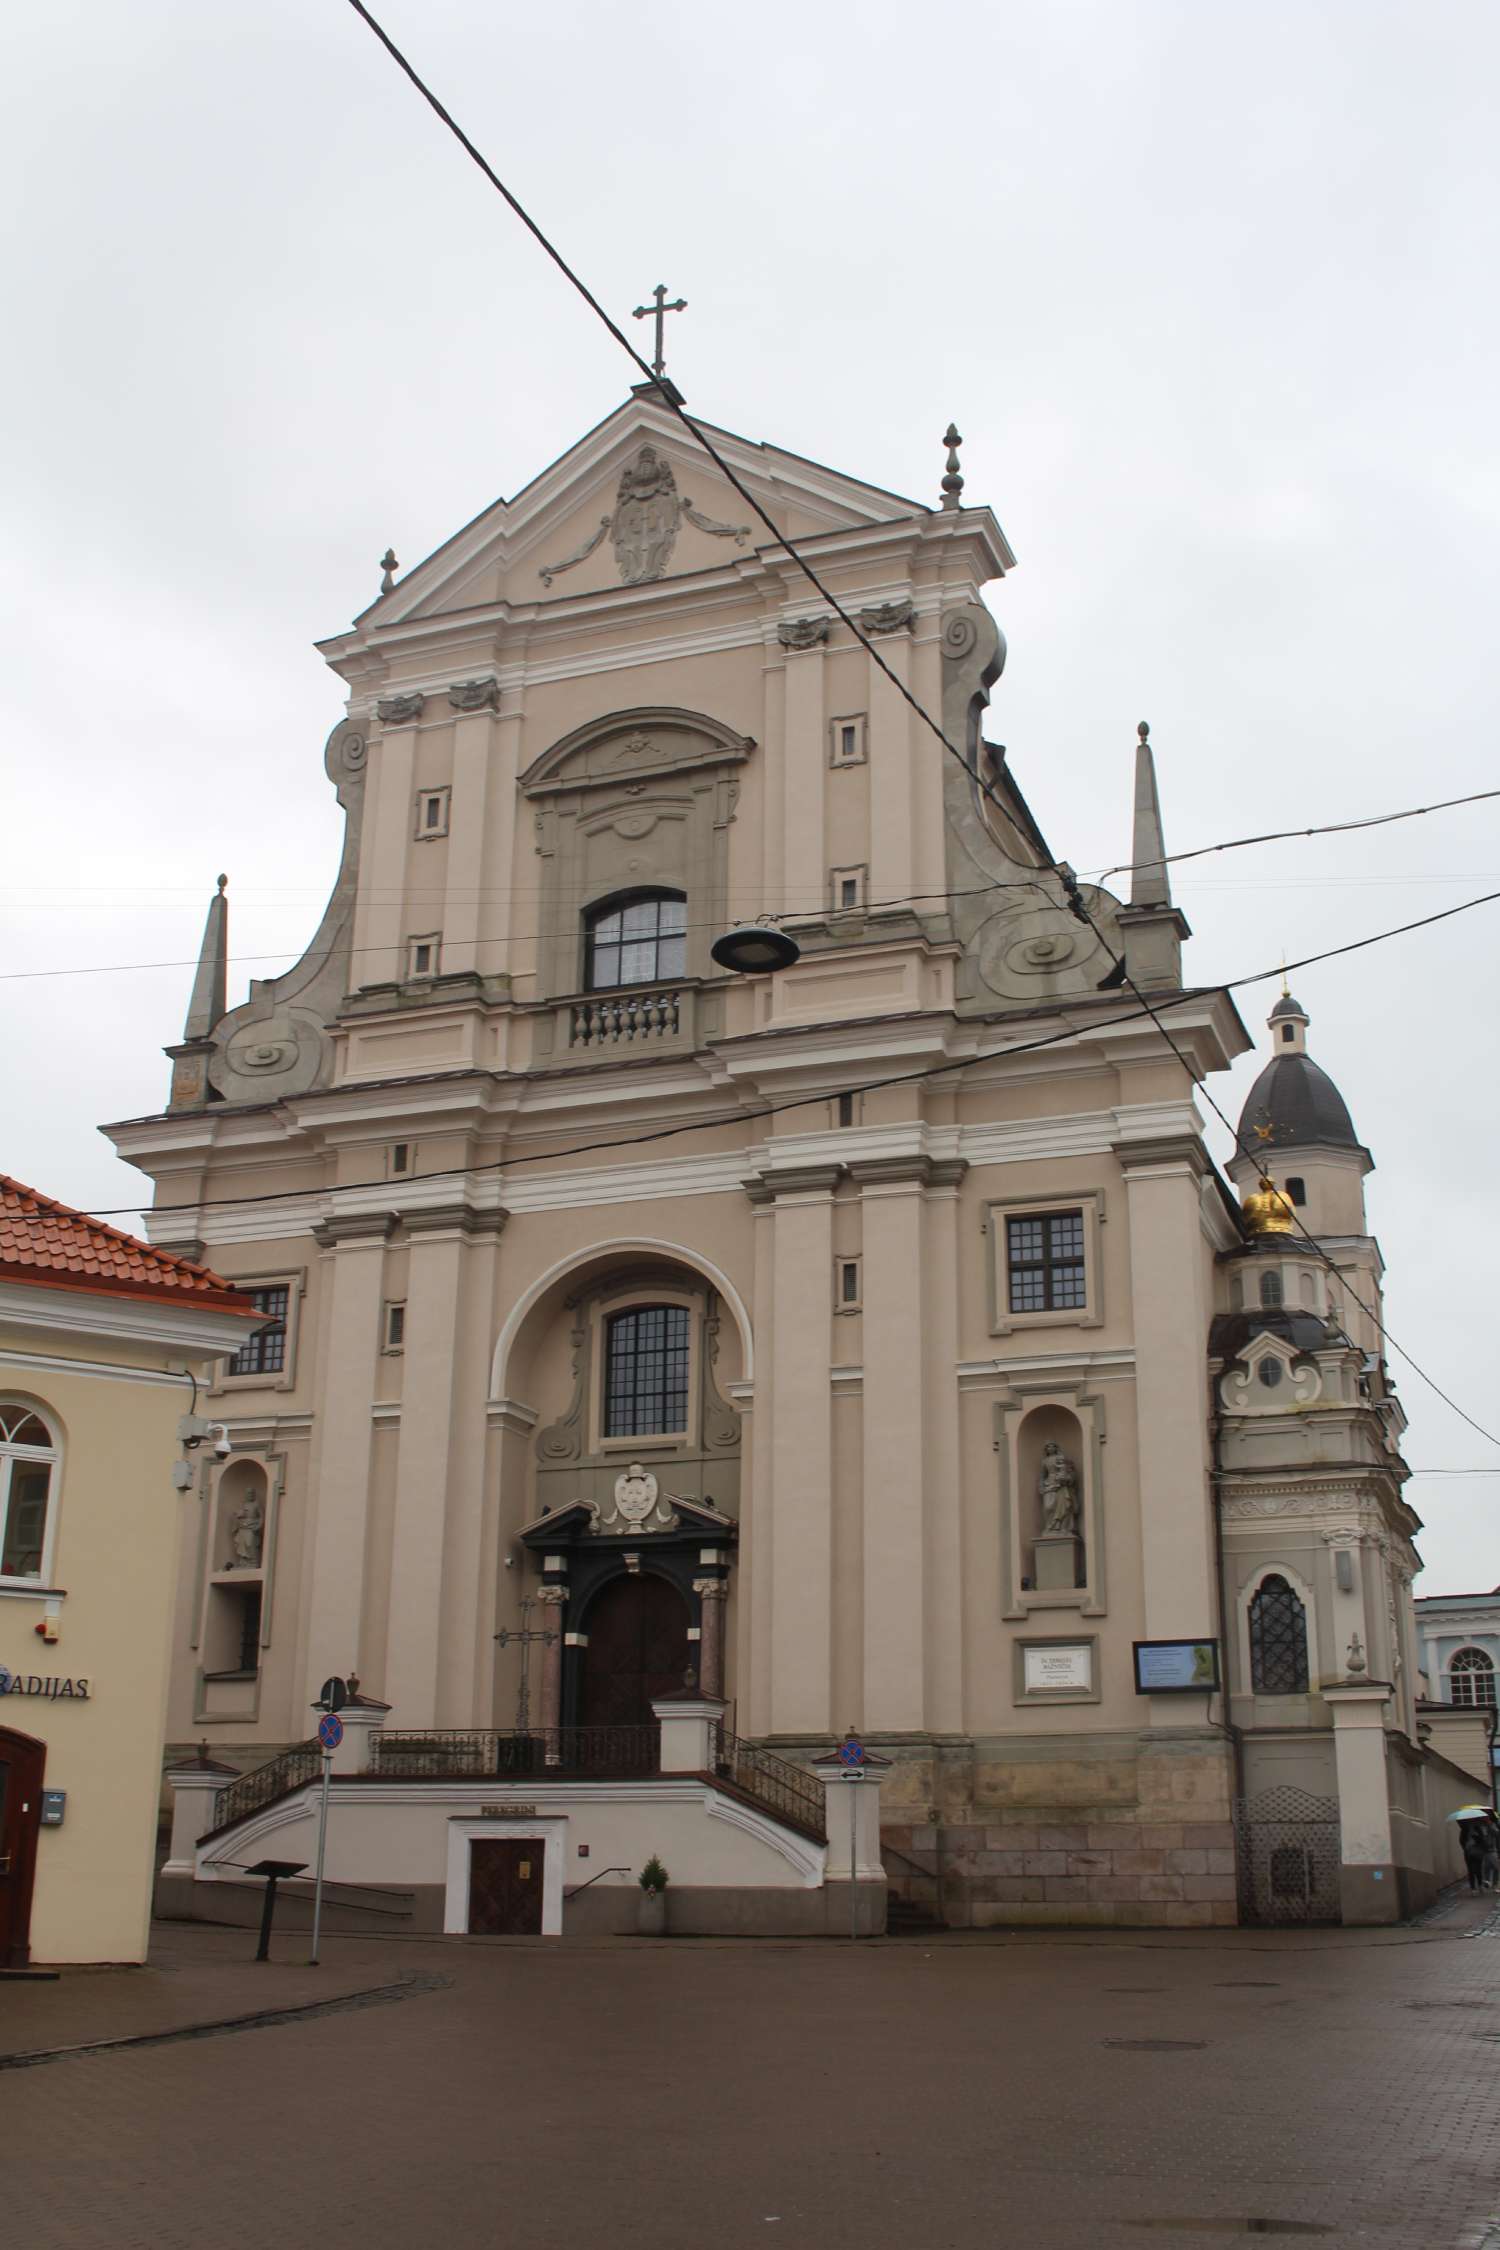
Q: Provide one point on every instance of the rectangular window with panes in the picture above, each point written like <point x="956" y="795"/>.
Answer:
<point x="424" y="954"/>
<point x="1045" y="1264"/>
<point x="265" y="1351"/>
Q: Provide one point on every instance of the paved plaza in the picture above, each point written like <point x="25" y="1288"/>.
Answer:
<point x="1041" y="2090"/>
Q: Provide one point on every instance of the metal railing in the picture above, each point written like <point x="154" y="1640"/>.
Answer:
<point x="624" y="1019"/>
<point x="576" y="1753"/>
<point x="262" y="1785"/>
<point x="795" y="1796"/>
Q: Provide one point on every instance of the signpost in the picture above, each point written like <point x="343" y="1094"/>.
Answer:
<point x="330" y="1735"/>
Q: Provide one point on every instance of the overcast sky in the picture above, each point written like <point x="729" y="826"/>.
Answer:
<point x="1209" y="291"/>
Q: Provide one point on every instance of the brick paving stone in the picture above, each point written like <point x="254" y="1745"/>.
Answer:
<point x="912" y="2095"/>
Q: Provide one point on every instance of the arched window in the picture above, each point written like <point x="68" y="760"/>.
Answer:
<point x="1278" y="1639"/>
<point x="646" y="1363"/>
<point x="1471" y="1679"/>
<point x="28" y="1465"/>
<point x="635" y="938"/>
<point x="1270" y="1372"/>
<point x="1270" y="1289"/>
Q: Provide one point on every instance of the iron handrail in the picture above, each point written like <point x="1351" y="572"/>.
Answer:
<point x="262" y="1785"/>
<point x="788" y="1791"/>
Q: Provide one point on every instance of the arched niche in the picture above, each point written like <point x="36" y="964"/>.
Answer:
<point x="242" y="1512"/>
<point x="1073" y="1420"/>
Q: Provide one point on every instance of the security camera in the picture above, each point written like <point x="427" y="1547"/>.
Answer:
<point x="222" y="1446"/>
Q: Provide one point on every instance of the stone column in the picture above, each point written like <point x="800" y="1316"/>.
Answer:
<point x="894" y="1443"/>
<point x="712" y="1594"/>
<point x="797" y="1450"/>
<point x="805" y="855"/>
<point x="1170" y="1270"/>
<point x="458" y="913"/>
<point x="893" y="762"/>
<point x="435" y="1534"/>
<point x="853" y="1822"/>
<point x="194" y="1790"/>
<point x="554" y="1601"/>
<point x="1368" y="1889"/>
<point x="343" y="1433"/>
<point x="390" y="816"/>
<point x="688" y="1724"/>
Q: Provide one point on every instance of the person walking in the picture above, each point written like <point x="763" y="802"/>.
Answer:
<point x="1472" y="1845"/>
<point x="1489" y="1864"/>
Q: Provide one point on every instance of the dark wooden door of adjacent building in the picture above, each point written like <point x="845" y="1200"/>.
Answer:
<point x="22" y="1764"/>
<point x="505" y="1886"/>
<point x="637" y="1648"/>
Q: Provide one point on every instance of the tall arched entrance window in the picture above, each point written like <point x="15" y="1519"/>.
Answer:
<point x="637" y="1649"/>
<point x="1471" y="1679"/>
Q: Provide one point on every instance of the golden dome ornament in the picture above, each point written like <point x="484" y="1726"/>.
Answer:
<point x="1268" y="1211"/>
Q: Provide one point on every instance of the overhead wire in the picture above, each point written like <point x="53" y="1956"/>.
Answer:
<point x="1072" y="896"/>
<point x="1285" y="835"/>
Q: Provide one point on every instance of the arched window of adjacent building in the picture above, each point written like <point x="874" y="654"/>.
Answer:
<point x="1278" y="1639"/>
<point x="647" y="1356"/>
<point x="1270" y="1289"/>
<point x="637" y="937"/>
<point x="1471" y="1679"/>
<point x="28" y="1471"/>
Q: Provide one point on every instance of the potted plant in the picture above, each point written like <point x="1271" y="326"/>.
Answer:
<point x="653" y="1879"/>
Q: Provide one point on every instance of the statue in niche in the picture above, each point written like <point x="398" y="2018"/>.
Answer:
<point x="1057" y="1490"/>
<point x="246" y="1532"/>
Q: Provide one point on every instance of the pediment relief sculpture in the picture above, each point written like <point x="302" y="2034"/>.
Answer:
<point x="648" y="513"/>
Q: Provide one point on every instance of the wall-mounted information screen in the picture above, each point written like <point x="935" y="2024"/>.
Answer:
<point x="1176" y="1667"/>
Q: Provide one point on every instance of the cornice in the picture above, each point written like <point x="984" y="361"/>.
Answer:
<point x="806" y="1181"/>
<point x="455" y="1218"/>
<point x="175" y="1325"/>
<point x="908" y="1171"/>
<point x="361" y="1228"/>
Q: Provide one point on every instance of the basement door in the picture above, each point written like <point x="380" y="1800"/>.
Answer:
<point x="505" y="1886"/>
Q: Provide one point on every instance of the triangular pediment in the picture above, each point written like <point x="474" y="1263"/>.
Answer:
<point x="634" y="502"/>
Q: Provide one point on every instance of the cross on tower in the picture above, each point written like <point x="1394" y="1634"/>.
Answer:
<point x="659" y="309"/>
<point x="526" y="1634"/>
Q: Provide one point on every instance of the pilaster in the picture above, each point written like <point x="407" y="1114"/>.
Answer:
<point x="1170" y="1281"/>
<point x="804" y="851"/>
<point x="354" y="1243"/>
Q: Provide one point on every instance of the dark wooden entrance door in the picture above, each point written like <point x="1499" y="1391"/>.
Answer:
<point x="505" y="1886"/>
<point x="637" y="1648"/>
<point x="22" y="1763"/>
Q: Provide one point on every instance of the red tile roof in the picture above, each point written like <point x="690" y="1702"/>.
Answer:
<point x="55" y="1247"/>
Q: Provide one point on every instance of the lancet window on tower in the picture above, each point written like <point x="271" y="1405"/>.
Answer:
<point x="1278" y="1639"/>
<point x="639" y="939"/>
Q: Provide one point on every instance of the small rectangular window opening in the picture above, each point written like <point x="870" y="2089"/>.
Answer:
<point x="846" y="1109"/>
<point x="846" y="741"/>
<point x="395" y="1328"/>
<point x="846" y="888"/>
<point x="1286" y="1033"/>
<point x="1297" y="1191"/>
<point x="432" y="811"/>
<point x="848" y="1281"/>
<point x="424" y="955"/>
<point x="400" y="1156"/>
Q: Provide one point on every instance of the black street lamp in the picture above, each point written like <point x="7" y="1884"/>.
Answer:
<point x="755" y="949"/>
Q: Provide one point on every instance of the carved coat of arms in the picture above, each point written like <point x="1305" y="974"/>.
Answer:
<point x="639" y="1504"/>
<point x="647" y="513"/>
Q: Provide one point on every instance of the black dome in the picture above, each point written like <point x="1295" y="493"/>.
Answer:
<point x="1300" y="1103"/>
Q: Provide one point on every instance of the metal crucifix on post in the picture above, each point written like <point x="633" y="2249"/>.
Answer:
<point x="658" y="309"/>
<point x="525" y="1633"/>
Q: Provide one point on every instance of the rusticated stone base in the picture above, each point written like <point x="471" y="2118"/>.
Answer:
<point x="1125" y="1830"/>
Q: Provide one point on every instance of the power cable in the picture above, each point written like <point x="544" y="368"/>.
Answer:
<point x="705" y="1121"/>
<point x="1284" y="835"/>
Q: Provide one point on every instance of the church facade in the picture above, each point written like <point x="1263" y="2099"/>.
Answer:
<point x="872" y="1344"/>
